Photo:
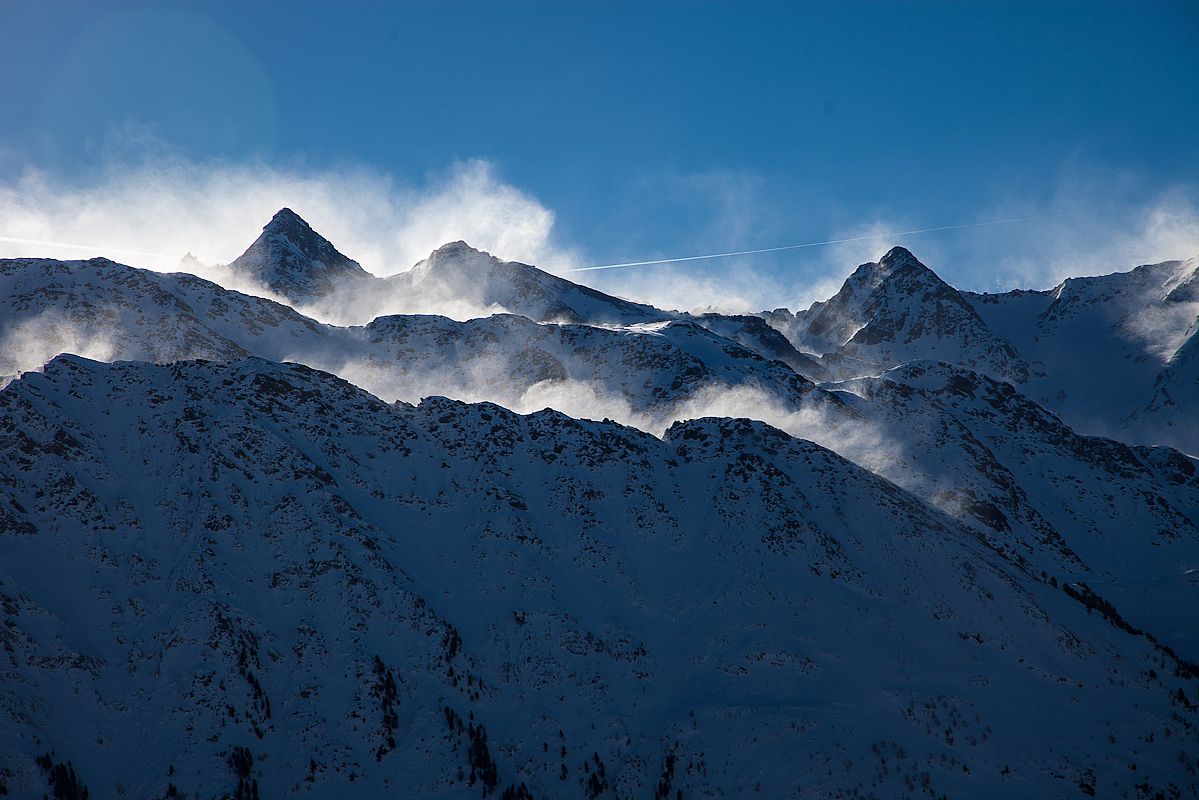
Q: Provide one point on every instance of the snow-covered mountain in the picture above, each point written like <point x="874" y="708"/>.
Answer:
<point x="642" y="374"/>
<point x="457" y="272"/>
<point x="963" y="442"/>
<point x="114" y="312"/>
<point x="1097" y="351"/>
<point x="1101" y="344"/>
<point x="898" y="310"/>
<point x="1173" y="412"/>
<point x="240" y="577"/>
<point x="253" y="579"/>
<point x="1120" y="517"/>
<point x="295" y="262"/>
<point x="107" y="310"/>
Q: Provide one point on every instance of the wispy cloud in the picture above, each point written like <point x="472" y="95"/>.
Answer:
<point x="1079" y="221"/>
<point x="32" y="342"/>
<point x="171" y="206"/>
<point x="1093" y="222"/>
<point x="162" y="203"/>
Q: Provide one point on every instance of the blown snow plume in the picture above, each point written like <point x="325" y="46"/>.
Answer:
<point x="157" y="210"/>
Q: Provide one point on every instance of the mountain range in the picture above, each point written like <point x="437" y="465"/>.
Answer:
<point x="319" y="540"/>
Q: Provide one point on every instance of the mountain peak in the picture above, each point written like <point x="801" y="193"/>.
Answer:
<point x="455" y="248"/>
<point x="897" y="309"/>
<point x="293" y="260"/>
<point x="457" y="259"/>
<point x="898" y="270"/>
<point x="900" y="261"/>
<point x="898" y="256"/>
<point x="288" y="223"/>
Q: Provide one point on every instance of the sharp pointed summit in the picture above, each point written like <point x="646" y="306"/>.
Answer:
<point x="899" y="256"/>
<point x="296" y="262"/>
<point x="895" y="309"/>
<point x="899" y="268"/>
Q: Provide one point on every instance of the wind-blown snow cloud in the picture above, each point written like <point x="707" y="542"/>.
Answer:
<point x="488" y="379"/>
<point x="37" y="340"/>
<point x="166" y="204"/>
<point x="173" y="206"/>
<point x="1083" y="221"/>
<point x="1094" y="224"/>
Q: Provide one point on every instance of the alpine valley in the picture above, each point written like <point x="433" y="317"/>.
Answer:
<point x="473" y="530"/>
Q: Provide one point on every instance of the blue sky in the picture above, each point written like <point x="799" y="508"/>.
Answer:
<point x="653" y="129"/>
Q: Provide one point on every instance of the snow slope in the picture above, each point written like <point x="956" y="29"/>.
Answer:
<point x="1100" y="345"/>
<point x="1174" y="407"/>
<point x="114" y="312"/>
<point x="108" y="310"/>
<point x="1093" y="509"/>
<point x="220" y="578"/>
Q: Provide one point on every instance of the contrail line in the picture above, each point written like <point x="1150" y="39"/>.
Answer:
<point x="799" y="246"/>
<point x="97" y="248"/>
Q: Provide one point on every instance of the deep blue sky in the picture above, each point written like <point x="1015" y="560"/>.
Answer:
<point x="646" y="127"/>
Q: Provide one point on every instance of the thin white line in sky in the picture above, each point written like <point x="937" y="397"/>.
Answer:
<point x="798" y="246"/>
<point x="96" y="248"/>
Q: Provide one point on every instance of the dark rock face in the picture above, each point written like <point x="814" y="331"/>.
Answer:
<point x="296" y="262"/>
